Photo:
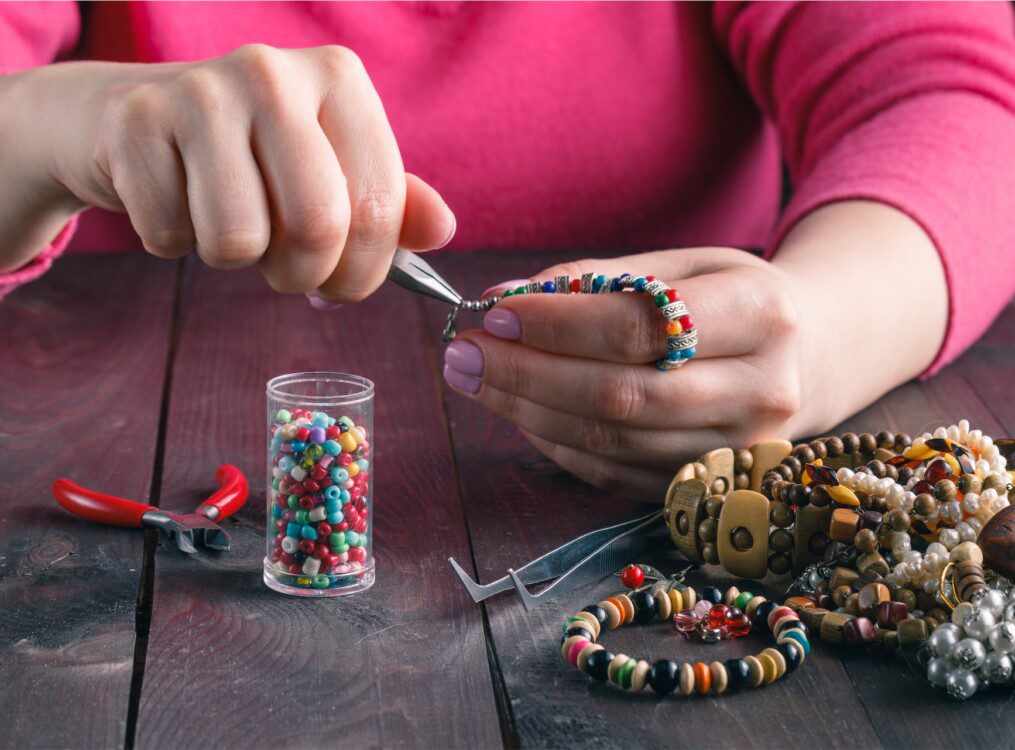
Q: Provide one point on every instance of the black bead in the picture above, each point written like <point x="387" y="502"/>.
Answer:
<point x="737" y="674"/>
<point x="794" y="625"/>
<point x="711" y="594"/>
<point x="299" y="557"/>
<point x="644" y="606"/>
<point x="790" y="654"/>
<point x="761" y="614"/>
<point x="583" y="632"/>
<point x="598" y="612"/>
<point x="597" y="664"/>
<point x="664" y="676"/>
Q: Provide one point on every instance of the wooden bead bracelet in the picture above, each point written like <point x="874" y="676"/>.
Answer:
<point x="581" y="632"/>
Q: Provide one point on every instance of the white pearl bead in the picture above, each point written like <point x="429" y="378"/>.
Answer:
<point x="961" y="613"/>
<point x="962" y="684"/>
<point x="976" y="525"/>
<point x="948" y="537"/>
<point x="971" y="502"/>
<point x="936" y="548"/>
<point x="980" y="623"/>
<point x="937" y="672"/>
<point x="997" y="668"/>
<point x="963" y="426"/>
<point x="844" y="475"/>
<point x="941" y="432"/>
<point x="991" y="600"/>
<point x="968" y="653"/>
<point x="1002" y="637"/>
<point x="966" y="533"/>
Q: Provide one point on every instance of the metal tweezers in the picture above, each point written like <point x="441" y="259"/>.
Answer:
<point x="415" y="274"/>
<point x="588" y="558"/>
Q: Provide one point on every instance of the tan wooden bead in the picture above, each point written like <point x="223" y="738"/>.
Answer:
<point x="769" y="667"/>
<point x="753" y="604"/>
<point x="731" y="596"/>
<point x="690" y="597"/>
<point x="872" y="561"/>
<point x="757" y="672"/>
<point x="719" y="464"/>
<point x="568" y="643"/>
<point x="676" y="600"/>
<point x="684" y="473"/>
<point x="585" y="653"/>
<point x="831" y="627"/>
<point x="783" y="621"/>
<point x="912" y="632"/>
<point x="843" y="525"/>
<point x="811" y="522"/>
<point x="872" y="595"/>
<point x="686" y="678"/>
<point x="812" y="618"/>
<point x="640" y="675"/>
<point x="966" y="551"/>
<point x="613" y="614"/>
<point x="592" y="621"/>
<point x="779" y="659"/>
<point x="766" y="456"/>
<point x="744" y="509"/>
<point x="852" y="605"/>
<point x="628" y="608"/>
<point x="684" y="512"/>
<point x="796" y="603"/>
<point x="663" y="606"/>
<point x="842" y="577"/>
<point x="719" y="677"/>
<point x="618" y="661"/>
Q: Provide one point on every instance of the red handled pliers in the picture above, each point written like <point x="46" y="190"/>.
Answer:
<point x="185" y="530"/>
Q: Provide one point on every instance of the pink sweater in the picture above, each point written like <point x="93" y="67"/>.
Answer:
<point x="635" y="126"/>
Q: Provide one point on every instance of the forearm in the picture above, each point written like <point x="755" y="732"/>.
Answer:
<point x="873" y="301"/>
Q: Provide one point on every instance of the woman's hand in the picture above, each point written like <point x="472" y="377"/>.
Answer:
<point x="573" y="371"/>
<point x="283" y="158"/>
<point x="786" y="349"/>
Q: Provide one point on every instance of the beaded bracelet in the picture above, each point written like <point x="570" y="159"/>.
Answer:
<point x="581" y="631"/>
<point x="681" y="335"/>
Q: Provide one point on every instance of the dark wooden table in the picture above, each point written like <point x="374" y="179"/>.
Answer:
<point x="140" y="376"/>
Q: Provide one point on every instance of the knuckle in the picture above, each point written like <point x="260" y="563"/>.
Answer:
<point x="621" y="396"/>
<point x="141" y="111"/>
<point x="228" y="250"/>
<point x="639" y="335"/>
<point x="317" y="228"/>
<point x="170" y="242"/>
<point x="201" y="89"/>
<point x="783" y="316"/>
<point x="377" y="216"/>
<point x="255" y="58"/>
<point x="780" y="400"/>
<point x="600" y="438"/>
<point x="340" y="62"/>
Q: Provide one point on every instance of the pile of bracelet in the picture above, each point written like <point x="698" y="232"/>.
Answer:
<point x="681" y="335"/>
<point x="904" y="543"/>
<point x="669" y="597"/>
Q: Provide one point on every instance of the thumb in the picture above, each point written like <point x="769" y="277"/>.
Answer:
<point x="427" y="223"/>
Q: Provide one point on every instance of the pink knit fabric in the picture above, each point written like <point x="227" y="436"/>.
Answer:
<point x="628" y="126"/>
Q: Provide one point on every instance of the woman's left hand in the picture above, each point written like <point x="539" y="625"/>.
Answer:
<point x="574" y="371"/>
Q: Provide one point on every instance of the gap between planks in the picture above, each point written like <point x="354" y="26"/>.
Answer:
<point x="146" y="587"/>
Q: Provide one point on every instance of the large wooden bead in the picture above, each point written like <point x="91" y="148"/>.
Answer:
<point x="767" y="455"/>
<point x="843" y="526"/>
<point x="684" y="511"/>
<point x="997" y="540"/>
<point x="832" y="624"/>
<point x="719" y="464"/>
<point x="811" y="526"/>
<point x="748" y="511"/>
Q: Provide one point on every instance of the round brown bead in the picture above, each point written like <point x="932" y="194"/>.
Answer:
<point x="877" y="468"/>
<point x="707" y="530"/>
<point x="741" y="481"/>
<point x="800" y="495"/>
<point x="995" y="482"/>
<point x="925" y="504"/>
<point x="902" y="441"/>
<point x="780" y="540"/>
<point x="868" y="443"/>
<point x="834" y="447"/>
<point x="784" y="471"/>
<point x="819" y="497"/>
<point x="780" y="563"/>
<point x="795" y="465"/>
<point x="878" y="504"/>
<point x="945" y="491"/>
<point x="898" y="519"/>
<point x="850" y="442"/>
<point x="969" y="483"/>
<point x="905" y="474"/>
<point x="886" y="439"/>
<point x="743" y="460"/>
<point x="819" y="448"/>
<point x="892" y="472"/>
<point x="741" y="539"/>
<point x="817" y="543"/>
<point x="710" y="552"/>
<point x="713" y="506"/>
<point x="781" y="515"/>
<point x="907" y="597"/>
<point x="865" y="540"/>
<point x="804" y="453"/>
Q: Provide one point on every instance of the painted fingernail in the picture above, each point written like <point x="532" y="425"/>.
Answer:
<point x="323" y="305"/>
<point x="503" y="324"/>
<point x="464" y="357"/>
<point x="454" y="229"/>
<point x="461" y="381"/>
<point x="505" y="285"/>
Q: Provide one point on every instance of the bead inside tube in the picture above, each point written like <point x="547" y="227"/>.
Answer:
<point x="319" y="539"/>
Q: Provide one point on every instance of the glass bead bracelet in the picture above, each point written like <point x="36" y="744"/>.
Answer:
<point x="581" y="632"/>
<point x="681" y="335"/>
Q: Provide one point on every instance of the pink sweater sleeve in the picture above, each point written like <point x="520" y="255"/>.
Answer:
<point x="909" y="104"/>
<point x="34" y="34"/>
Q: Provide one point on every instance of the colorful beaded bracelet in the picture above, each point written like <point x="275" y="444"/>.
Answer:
<point x="681" y="335"/>
<point x="581" y="631"/>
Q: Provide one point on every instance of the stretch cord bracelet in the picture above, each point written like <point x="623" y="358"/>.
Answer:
<point x="581" y="632"/>
<point x="681" y="335"/>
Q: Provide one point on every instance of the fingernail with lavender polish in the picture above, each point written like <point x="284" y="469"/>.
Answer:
<point x="464" y="358"/>
<point x="461" y="381"/>
<point x="323" y="305"/>
<point x="503" y="323"/>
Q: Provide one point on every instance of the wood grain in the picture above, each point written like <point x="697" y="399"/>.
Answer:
<point x="81" y="374"/>
<point x="231" y="663"/>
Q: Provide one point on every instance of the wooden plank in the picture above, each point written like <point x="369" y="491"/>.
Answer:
<point x="82" y="359"/>
<point x="519" y="505"/>
<point x="231" y="663"/>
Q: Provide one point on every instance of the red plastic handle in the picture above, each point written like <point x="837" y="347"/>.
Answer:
<point x="95" y="506"/>
<point x="232" y="492"/>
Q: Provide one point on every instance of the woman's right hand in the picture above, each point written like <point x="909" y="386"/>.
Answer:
<point x="284" y="158"/>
